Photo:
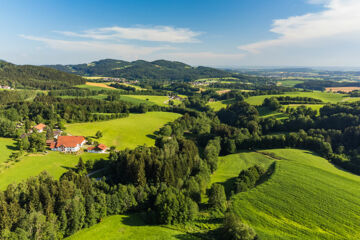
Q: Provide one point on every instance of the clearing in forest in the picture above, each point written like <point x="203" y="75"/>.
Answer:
<point x="129" y="132"/>
<point x="123" y="227"/>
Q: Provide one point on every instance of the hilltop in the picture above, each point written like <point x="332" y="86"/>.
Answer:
<point x="143" y="70"/>
<point x="36" y="77"/>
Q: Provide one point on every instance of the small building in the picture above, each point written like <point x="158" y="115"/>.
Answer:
<point x="40" y="127"/>
<point x="101" y="148"/>
<point x="49" y="142"/>
<point x="68" y="143"/>
<point x="57" y="133"/>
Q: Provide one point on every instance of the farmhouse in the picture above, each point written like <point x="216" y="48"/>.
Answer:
<point x="68" y="144"/>
<point x="101" y="148"/>
<point x="40" y="127"/>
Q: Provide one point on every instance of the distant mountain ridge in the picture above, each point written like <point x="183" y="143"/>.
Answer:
<point x="36" y="77"/>
<point x="162" y="70"/>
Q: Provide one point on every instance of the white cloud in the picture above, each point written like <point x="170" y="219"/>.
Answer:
<point x="155" y="34"/>
<point x="106" y="49"/>
<point x="340" y="17"/>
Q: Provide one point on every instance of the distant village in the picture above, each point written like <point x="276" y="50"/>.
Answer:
<point x="6" y="87"/>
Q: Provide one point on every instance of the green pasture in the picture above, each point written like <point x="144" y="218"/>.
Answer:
<point x="159" y="100"/>
<point x="7" y="145"/>
<point x="326" y="97"/>
<point x="121" y="227"/>
<point x="265" y="112"/>
<point x="289" y="83"/>
<point x="129" y="132"/>
<point x="216" y="106"/>
<point x="55" y="163"/>
<point x="305" y="198"/>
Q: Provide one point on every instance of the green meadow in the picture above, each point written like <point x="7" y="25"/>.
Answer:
<point x="6" y="147"/>
<point x="129" y="132"/>
<point x="289" y="83"/>
<point x="230" y="166"/>
<point x="54" y="163"/>
<point x="264" y="112"/>
<point x="305" y="198"/>
<point x="326" y="97"/>
<point x="216" y="106"/>
<point x="121" y="227"/>
<point x="159" y="100"/>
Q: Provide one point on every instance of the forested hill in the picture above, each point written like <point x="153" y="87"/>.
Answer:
<point x="143" y="70"/>
<point x="35" y="77"/>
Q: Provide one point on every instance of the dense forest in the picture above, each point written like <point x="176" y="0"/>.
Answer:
<point x="35" y="77"/>
<point x="160" y="70"/>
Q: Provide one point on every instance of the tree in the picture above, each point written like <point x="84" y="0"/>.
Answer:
<point x="234" y="229"/>
<point x="217" y="197"/>
<point x="98" y="134"/>
<point x="80" y="167"/>
<point x="166" y="130"/>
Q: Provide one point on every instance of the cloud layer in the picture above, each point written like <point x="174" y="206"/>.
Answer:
<point x="155" y="34"/>
<point x="341" y="17"/>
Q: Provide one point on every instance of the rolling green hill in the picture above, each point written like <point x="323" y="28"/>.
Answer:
<point x="35" y="77"/>
<point x="305" y="198"/>
<point x="160" y="70"/>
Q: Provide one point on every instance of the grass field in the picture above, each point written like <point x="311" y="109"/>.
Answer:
<point x="324" y="96"/>
<point x="6" y="147"/>
<point x="230" y="166"/>
<point x="121" y="227"/>
<point x="216" y="106"/>
<point x="137" y="129"/>
<point x="159" y="100"/>
<point x="305" y="198"/>
<point x="264" y="112"/>
<point x="289" y="83"/>
<point x="54" y="163"/>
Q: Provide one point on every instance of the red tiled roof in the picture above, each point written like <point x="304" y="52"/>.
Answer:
<point x="52" y="145"/>
<point x="98" y="147"/>
<point x="49" y="142"/>
<point x="102" y="146"/>
<point x="69" y="141"/>
<point x="40" y="126"/>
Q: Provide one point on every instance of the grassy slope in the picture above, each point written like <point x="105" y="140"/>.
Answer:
<point x="54" y="163"/>
<point x="121" y="227"/>
<point x="125" y="132"/>
<point x="289" y="83"/>
<point x="306" y="198"/>
<point x="324" y="96"/>
<point x="159" y="100"/>
<point x="5" y="148"/>
<point x="216" y="106"/>
<point x="230" y="166"/>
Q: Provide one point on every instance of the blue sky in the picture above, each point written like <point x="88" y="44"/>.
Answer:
<point x="199" y="32"/>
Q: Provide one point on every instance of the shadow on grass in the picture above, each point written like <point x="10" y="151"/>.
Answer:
<point x="209" y="235"/>
<point x="11" y="147"/>
<point x="152" y="136"/>
<point x="69" y="168"/>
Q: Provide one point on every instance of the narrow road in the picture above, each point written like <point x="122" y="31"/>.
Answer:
<point x="94" y="172"/>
